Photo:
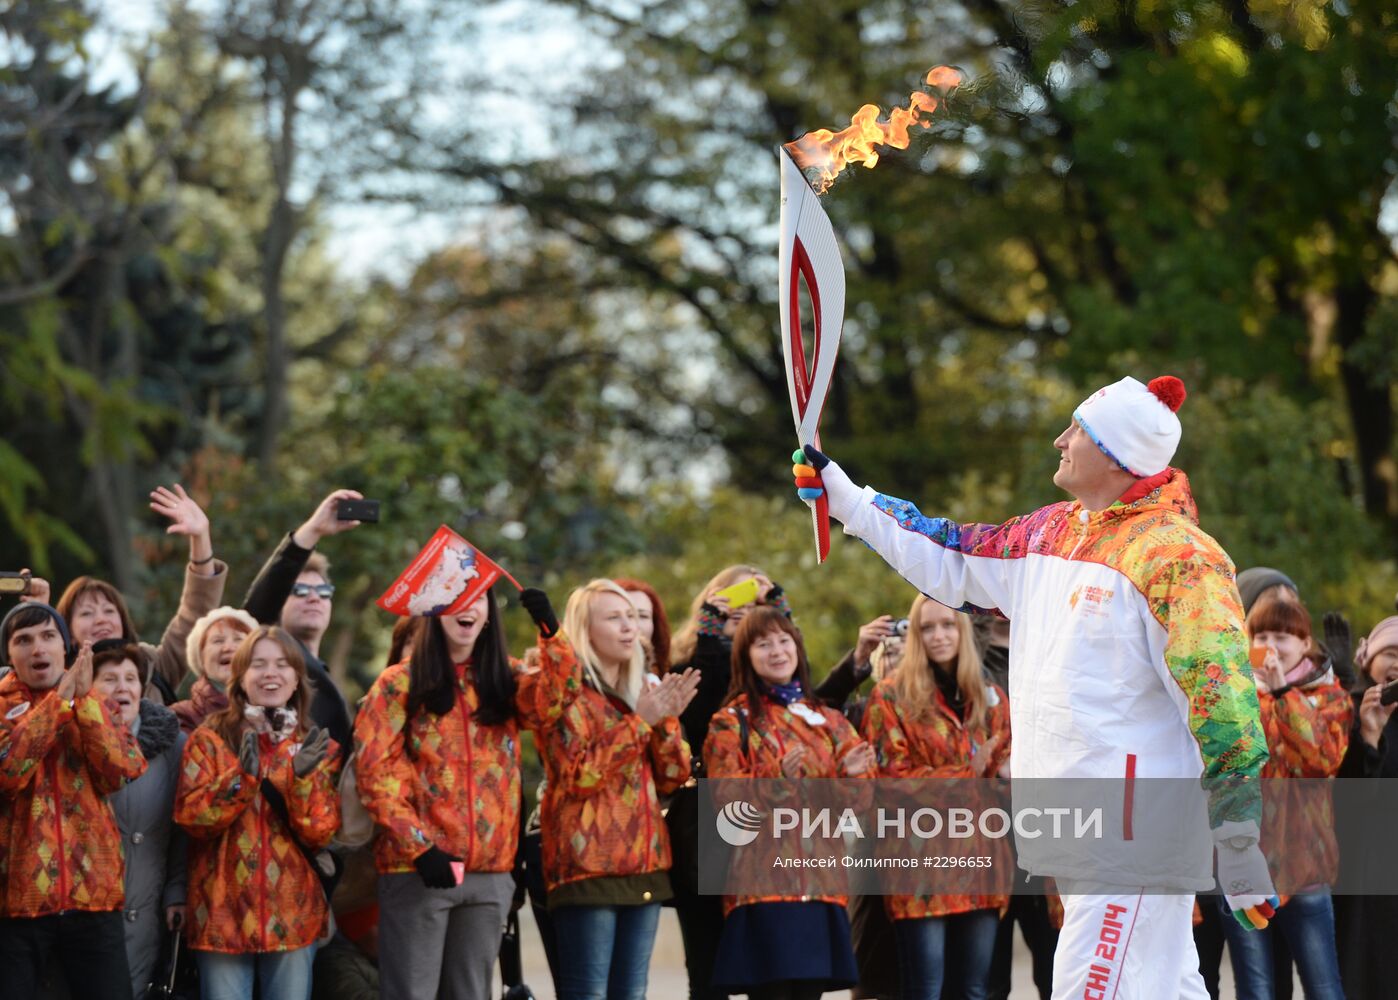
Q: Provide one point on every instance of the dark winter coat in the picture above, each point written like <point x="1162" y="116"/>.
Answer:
<point x="153" y="845"/>
<point x="264" y="602"/>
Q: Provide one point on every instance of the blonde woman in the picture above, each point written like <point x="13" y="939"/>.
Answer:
<point x="937" y="717"/>
<point x="615" y="750"/>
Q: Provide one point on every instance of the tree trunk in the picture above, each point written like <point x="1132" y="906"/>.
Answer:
<point x="1370" y="404"/>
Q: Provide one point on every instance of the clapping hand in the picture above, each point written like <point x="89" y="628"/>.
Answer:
<point x="77" y="679"/>
<point x="860" y="760"/>
<point x="670" y="696"/>
<point x="312" y="751"/>
<point x="249" y="758"/>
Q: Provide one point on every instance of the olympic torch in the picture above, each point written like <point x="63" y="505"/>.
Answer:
<point x="808" y="253"/>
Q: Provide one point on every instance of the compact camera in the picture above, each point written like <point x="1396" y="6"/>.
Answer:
<point x="900" y="627"/>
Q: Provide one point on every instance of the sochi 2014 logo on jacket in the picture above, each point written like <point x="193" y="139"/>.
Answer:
<point x="1094" y="600"/>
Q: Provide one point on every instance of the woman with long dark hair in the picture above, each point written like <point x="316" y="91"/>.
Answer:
<point x="437" y="751"/>
<point x="257" y="797"/>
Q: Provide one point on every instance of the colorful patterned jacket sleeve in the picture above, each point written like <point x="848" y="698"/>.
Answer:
<point x="312" y="802"/>
<point x="213" y="790"/>
<point x="386" y="777"/>
<point x="1192" y="595"/>
<point x="28" y="738"/>
<point x="541" y="696"/>
<point x="669" y="756"/>
<point x="1308" y="730"/>
<point x="110" y="750"/>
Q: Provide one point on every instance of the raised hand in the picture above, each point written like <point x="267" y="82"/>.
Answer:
<point x="536" y="602"/>
<point x="323" y="521"/>
<point x="39" y="590"/>
<point x="186" y="518"/>
<point x="870" y="636"/>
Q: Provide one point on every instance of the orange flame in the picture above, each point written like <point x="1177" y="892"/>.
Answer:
<point x="828" y="153"/>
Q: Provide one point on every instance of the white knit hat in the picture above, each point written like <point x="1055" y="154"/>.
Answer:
<point x="193" y="646"/>
<point x="1135" y="424"/>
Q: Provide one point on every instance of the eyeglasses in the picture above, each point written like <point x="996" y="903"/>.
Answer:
<point x="324" y="590"/>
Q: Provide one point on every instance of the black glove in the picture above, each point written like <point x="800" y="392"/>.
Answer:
<point x="434" y="865"/>
<point x="818" y="459"/>
<point x="312" y="751"/>
<point x="536" y="602"/>
<point x="248" y="757"/>
<point x="1339" y="643"/>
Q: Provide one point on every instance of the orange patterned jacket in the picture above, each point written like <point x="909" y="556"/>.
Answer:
<point x="447" y="780"/>
<point x="251" y="888"/>
<point x="605" y="772"/>
<point x="59" y="844"/>
<point x="1307" y="736"/>
<point x="771" y="735"/>
<point x="940" y="747"/>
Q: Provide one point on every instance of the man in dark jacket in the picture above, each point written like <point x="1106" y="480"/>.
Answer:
<point x="293" y="589"/>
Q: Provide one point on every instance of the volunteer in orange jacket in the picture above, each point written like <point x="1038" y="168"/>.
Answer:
<point x="62" y="751"/>
<point x="437" y="758"/>
<point x="781" y="946"/>
<point x="256" y="794"/>
<point x="1307" y="714"/>
<point x="938" y="717"/>
<point x="615" y="750"/>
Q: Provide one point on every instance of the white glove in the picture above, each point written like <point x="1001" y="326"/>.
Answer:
<point x="842" y="493"/>
<point x="1246" y="882"/>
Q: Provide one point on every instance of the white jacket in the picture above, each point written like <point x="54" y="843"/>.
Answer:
<point x="1128" y="661"/>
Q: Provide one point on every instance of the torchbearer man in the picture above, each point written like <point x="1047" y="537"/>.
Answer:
<point x="1129" y="661"/>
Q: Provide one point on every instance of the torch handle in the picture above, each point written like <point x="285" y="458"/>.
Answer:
<point x="820" y="520"/>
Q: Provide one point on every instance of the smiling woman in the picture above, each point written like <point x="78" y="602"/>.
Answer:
<point x="616" y="751"/>
<point x="254" y="783"/>
<point x="153" y="847"/>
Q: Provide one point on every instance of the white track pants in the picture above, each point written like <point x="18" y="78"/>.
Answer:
<point x="1119" y="943"/>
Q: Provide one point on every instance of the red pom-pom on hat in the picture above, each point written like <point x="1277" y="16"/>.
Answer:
<point x="1169" y="390"/>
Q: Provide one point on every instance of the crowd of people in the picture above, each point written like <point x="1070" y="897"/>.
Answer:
<point x="211" y="789"/>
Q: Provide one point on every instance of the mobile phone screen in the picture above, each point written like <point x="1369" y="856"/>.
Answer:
<point x="740" y="593"/>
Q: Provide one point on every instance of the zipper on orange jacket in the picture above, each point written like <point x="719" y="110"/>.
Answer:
<point x="58" y="816"/>
<point x="262" y="861"/>
<point x="470" y="781"/>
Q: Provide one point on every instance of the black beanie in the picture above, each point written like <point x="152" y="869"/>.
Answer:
<point x="1252" y="582"/>
<point x="7" y="626"/>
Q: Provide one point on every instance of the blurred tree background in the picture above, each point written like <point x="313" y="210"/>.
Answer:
<point x="568" y="350"/>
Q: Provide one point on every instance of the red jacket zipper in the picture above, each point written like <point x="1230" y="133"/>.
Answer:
<point x="1128" y="798"/>
<point x="58" y="815"/>
<point x="470" y="783"/>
